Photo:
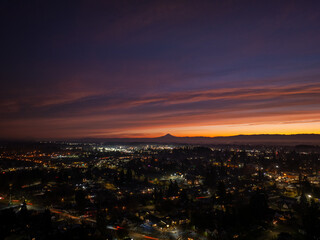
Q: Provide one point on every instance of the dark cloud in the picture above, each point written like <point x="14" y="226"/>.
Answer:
<point x="112" y="66"/>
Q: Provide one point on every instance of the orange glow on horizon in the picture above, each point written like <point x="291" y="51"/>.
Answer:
<point x="223" y="130"/>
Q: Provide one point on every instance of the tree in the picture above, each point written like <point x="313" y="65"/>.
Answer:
<point x="129" y="175"/>
<point x="80" y="198"/>
<point x="259" y="204"/>
<point x="311" y="222"/>
<point x="102" y="221"/>
<point x="221" y="192"/>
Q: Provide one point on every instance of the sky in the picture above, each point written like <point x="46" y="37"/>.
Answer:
<point x="74" y="69"/>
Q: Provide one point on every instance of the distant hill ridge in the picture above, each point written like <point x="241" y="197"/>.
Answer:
<point x="294" y="139"/>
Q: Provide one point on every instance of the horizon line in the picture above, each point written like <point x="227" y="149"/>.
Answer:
<point x="161" y="136"/>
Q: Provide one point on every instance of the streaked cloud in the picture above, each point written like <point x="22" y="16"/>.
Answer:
<point x="124" y="68"/>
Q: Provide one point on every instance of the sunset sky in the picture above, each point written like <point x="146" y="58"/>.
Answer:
<point x="73" y="69"/>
